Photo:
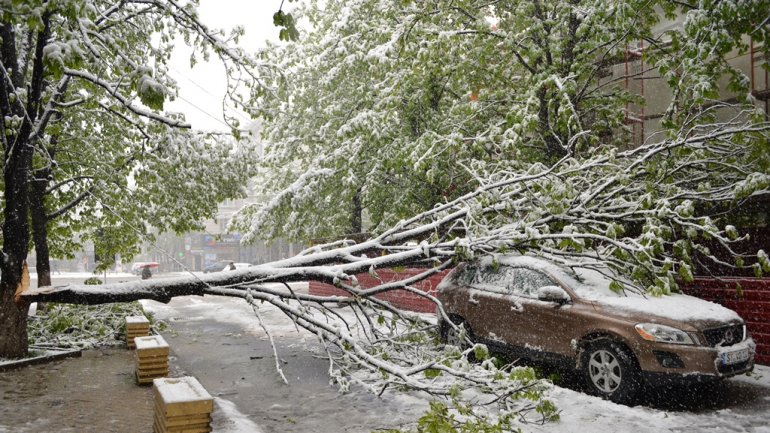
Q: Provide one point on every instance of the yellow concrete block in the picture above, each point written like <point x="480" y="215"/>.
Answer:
<point x="153" y="345"/>
<point x="181" y="396"/>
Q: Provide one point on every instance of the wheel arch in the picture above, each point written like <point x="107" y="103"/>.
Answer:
<point x="586" y="340"/>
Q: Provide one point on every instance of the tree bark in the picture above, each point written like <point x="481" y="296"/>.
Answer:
<point x="356" y="213"/>
<point x="18" y="164"/>
<point x="39" y="218"/>
<point x="553" y="150"/>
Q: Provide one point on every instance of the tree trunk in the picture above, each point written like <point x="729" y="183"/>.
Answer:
<point x="13" y="316"/>
<point x="13" y="326"/>
<point x="356" y="213"/>
<point x="18" y="164"/>
<point x="39" y="219"/>
<point x="553" y="150"/>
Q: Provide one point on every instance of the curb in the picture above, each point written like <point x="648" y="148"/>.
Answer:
<point x="51" y="355"/>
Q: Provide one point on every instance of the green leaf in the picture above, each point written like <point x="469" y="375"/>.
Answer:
<point x="685" y="272"/>
<point x="278" y="19"/>
<point x="481" y="352"/>
<point x="617" y="286"/>
<point x="763" y="260"/>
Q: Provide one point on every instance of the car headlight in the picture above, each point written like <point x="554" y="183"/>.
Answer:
<point x="663" y="334"/>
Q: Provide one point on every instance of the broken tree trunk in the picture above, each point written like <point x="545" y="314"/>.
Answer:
<point x="284" y="271"/>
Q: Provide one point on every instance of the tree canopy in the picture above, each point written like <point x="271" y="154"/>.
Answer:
<point x="387" y="108"/>
<point x="90" y="153"/>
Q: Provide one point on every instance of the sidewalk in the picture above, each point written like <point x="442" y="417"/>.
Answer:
<point x="218" y="341"/>
<point x="94" y="393"/>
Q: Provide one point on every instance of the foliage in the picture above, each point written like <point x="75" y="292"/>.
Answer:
<point x="287" y="24"/>
<point x="460" y="417"/>
<point x="106" y="153"/>
<point x="423" y="103"/>
<point x="84" y="327"/>
<point x="392" y="107"/>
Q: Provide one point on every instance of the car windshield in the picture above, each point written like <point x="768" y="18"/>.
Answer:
<point x="591" y="283"/>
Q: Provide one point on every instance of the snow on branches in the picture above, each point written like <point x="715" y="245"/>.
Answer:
<point x="640" y="212"/>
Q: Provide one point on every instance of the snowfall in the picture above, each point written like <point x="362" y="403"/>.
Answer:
<point x="740" y="404"/>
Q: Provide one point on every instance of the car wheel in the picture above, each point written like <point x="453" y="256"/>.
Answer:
<point x="450" y="335"/>
<point x="610" y="371"/>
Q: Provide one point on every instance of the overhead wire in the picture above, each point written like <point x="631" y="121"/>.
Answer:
<point x="235" y="111"/>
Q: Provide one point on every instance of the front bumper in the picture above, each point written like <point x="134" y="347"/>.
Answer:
<point x="694" y="363"/>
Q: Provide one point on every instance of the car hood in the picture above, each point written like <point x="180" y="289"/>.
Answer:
<point x="676" y="310"/>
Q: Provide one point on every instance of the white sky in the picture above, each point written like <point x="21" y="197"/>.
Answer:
<point x="203" y="87"/>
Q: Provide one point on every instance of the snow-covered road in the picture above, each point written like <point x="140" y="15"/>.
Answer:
<point x="220" y="341"/>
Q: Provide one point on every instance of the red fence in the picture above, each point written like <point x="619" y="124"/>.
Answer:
<point x="398" y="298"/>
<point x="751" y="301"/>
<point x="749" y="297"/>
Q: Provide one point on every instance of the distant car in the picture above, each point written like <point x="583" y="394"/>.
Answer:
<point x="217" y="266"/>
<point x="225" y="265"/>
<point x="538" y="310"/>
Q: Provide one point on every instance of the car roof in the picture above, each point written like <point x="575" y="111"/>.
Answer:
<point x="589" y="280"/>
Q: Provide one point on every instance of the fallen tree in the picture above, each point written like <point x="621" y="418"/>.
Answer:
<point x="640" y="213"/>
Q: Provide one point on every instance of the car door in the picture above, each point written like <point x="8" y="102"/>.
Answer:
<point x="487" y="310"/>
<point x="546" y="326"/>
<point x="518" y="327"/>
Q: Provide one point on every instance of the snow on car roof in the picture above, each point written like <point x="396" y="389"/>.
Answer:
<point x="594" y="284"/>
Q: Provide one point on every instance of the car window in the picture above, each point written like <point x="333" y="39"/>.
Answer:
<point x="504" y="279"/>
<point x="525" y="282"/>
<point x="491" y="278"/>
<point x="494" y="275"/>
<point x="467" y="276"/>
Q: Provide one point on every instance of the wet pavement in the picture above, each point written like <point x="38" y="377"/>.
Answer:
<point x="231" y="358"/>
<point x="94" y="393"/>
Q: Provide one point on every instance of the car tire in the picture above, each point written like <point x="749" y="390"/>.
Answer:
<point x="611" y="372"/>
<point x="450" y="335"/>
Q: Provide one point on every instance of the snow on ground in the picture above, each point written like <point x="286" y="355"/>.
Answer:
<point x="583" y="413"/>
<point x="739" y="404"/>
<point x="233" y="420"/>
<point x="233" y="311"/>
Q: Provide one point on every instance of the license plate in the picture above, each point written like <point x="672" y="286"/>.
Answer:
<point x="735" y="357"/>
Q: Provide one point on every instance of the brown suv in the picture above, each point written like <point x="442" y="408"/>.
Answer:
<point x="538" y="310"/>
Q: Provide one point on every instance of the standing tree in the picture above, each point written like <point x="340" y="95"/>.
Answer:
<point x="88" y="148"/>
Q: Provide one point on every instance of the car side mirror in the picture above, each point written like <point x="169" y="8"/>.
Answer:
<point x="552" y="294"/>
